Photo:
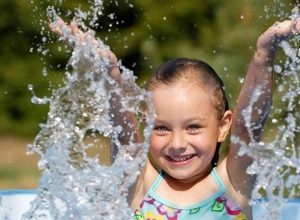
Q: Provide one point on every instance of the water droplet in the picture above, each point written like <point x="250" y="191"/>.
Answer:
<point x="274" y="120"/>
<point x="111" y="15"/>
<point x="280" y="88"/>
<point x="241" y="79"/>
<point x="30" y="87"/>
<point x="44" y="71"/>
<point x="277" y="68"/>
<point x="270" y="69"/>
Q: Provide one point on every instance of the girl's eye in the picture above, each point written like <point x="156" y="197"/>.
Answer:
<point x="194" y="129"/>
<point x="161" y="129"/>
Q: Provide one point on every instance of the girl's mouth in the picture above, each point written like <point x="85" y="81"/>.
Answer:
<point x="178" y="159"/>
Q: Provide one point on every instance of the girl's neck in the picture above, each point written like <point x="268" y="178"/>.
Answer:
<point x="185" y="184"/>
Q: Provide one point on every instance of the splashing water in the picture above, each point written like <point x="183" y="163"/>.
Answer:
<point x="75" y="185"/>
<point x="277" y="163"/>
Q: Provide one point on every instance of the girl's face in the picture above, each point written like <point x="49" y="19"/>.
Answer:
<point x="186" y="130"/>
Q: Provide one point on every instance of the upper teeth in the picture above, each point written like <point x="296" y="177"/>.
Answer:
<point x="181" y="158"/>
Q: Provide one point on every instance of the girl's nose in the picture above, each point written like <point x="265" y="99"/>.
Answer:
<point x="178" y="141"/>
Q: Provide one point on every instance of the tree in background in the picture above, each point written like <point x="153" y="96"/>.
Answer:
<point x="143" y="34"/>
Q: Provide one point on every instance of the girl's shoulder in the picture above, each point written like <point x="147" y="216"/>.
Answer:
<point x="149" y="174"/>
<point x="143" y="184"/>
<point x="240" y="199"/>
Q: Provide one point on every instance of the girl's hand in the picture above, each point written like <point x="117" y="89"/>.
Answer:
<point x="278" y="32"/>
<point x="73" y="36"/>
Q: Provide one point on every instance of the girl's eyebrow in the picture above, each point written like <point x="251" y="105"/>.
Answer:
<point x="196" y="119"/>
<point x="160" y="121"/>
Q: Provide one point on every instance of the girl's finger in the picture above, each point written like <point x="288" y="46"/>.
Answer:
<point x="55" y="29"/>
<point x="74" y="27"/>
<point x="59" y="27"/>
<point x="77" y="33"/>
<point x="296" y="26"/>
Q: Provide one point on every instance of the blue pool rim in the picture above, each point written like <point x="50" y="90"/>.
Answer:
<point x="11" y="192"/>
<point x="34" y="191"/>
<point x="288" y="200"/>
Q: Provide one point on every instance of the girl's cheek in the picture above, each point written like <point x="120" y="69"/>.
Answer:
<point x="195" y="140"/>
<point x="154" y="142"/>
<point x="158" y="142"/>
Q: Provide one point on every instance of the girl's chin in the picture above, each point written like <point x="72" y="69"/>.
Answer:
<point x="180" y="172"/>
<point x="183" y="177"/>
<point x="186" y="173"/>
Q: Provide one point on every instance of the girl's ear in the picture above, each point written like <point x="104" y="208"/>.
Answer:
<point x="225" y="125"/>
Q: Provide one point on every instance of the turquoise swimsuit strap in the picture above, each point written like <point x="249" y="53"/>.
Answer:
<point x="157" y="181"/>
<point x="217" y="178"/>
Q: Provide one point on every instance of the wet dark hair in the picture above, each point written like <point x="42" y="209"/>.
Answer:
<point x="196" y="71"/>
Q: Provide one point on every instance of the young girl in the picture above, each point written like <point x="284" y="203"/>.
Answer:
<point x="181" y="179"/>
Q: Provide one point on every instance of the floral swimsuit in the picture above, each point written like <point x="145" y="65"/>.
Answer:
<point x="218" y="206"/>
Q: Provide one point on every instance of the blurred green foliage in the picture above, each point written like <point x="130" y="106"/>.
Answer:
<point x="143" y="34"/>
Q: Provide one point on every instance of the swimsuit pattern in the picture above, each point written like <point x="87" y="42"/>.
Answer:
<point x="218" y="206"/>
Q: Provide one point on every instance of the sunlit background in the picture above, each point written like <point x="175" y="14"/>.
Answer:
<point x="142" y="33"/>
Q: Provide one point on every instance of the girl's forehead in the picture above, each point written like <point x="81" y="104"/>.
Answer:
<point x="188" y="98"/>
<point x="181" y="93"/>
<point x="182" y="85"/>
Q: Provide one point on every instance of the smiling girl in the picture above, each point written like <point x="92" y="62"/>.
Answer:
<point x="182" y="179"/>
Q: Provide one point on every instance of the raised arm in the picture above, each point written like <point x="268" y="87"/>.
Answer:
<point x="73" y="36"/>
<point x="256" y="94"/>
